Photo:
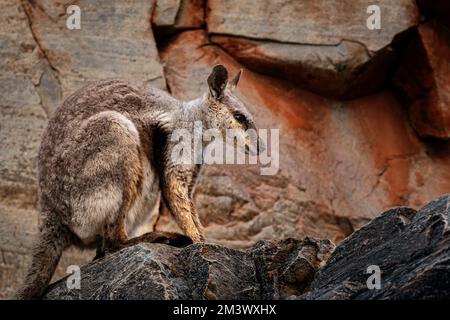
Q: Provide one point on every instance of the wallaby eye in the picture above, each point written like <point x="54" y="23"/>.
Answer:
<point x="239" y="117"/>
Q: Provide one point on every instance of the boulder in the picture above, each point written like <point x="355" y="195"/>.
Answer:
<point x="271" y="269"/>
<point x="423" y="77"/>
<point x="344" y="70"/>
<point x="317" y="45"/>
<point x="176" y="15"/>
<point x="409" y="248"/>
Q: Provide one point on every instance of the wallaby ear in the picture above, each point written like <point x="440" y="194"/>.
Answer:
<point x="217" y="81"/>
<point x="234" y="82"/>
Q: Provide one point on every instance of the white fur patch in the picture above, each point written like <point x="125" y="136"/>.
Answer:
<point x="90" y="213"/>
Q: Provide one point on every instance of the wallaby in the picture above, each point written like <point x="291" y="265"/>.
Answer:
<point x="105" y="160"/>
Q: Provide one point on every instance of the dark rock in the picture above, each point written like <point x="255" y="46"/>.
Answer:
<point x="439" y="9"/>
<point x="271" y="269"/>
<point x="411" y="249"/>
<point x="424" y="81"/>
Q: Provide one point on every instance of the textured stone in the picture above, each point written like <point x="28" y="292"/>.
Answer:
<point x="341" y="163"/>
<point x="324" y="22"/>
<point x="28" y="88"/>
<point x="115" y="40"/>
<point x="271" y="269"/>
<point x="317" y="45"/>
<point x="176" y="15"/>
<point x="411" y="249"/>
<point x="22" y="117"/>
<point x="424" y="78"/>
<point x="344" y="70"/>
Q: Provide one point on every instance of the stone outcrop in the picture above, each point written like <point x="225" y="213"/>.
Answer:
<point x="316" y="45"/>
<point x="270" y="269"/>
<point x="410" y="249"/>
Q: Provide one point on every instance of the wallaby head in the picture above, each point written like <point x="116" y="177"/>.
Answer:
<point x="224" y="110"/>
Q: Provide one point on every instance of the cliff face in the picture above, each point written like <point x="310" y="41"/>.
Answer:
<point x="363" y="114"/>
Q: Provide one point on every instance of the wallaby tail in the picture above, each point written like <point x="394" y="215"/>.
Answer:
<point x="53" y="239"/>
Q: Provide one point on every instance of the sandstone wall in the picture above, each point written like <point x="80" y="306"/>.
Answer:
<point x="363" y="114"/>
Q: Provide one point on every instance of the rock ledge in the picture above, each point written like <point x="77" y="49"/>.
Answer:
<point x="410" y="248"/>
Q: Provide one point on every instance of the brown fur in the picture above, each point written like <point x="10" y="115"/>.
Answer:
<point x="104" y="160"/>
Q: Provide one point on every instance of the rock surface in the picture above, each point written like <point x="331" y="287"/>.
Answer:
<point x="316" y="45"/>
<point x="115" y="40"/>
<point x="410" y="248"/>
<point x="370" y="158"/>
<point x="424" y="78"/>
<point x="174" y="15"/>
<point x="341" y="162"/>
<point x="270" y="269"/>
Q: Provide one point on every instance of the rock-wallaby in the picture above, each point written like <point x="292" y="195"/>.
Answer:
<point x="105" y="159"/>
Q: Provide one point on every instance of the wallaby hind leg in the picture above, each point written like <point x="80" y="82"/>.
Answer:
<point x="116" y="238"/>
<point x="53" y="239"/>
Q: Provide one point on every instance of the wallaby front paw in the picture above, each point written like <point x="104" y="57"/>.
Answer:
<point x="197" y="238"/>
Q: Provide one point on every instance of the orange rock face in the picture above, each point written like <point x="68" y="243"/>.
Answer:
<point x="341" y="163"/>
